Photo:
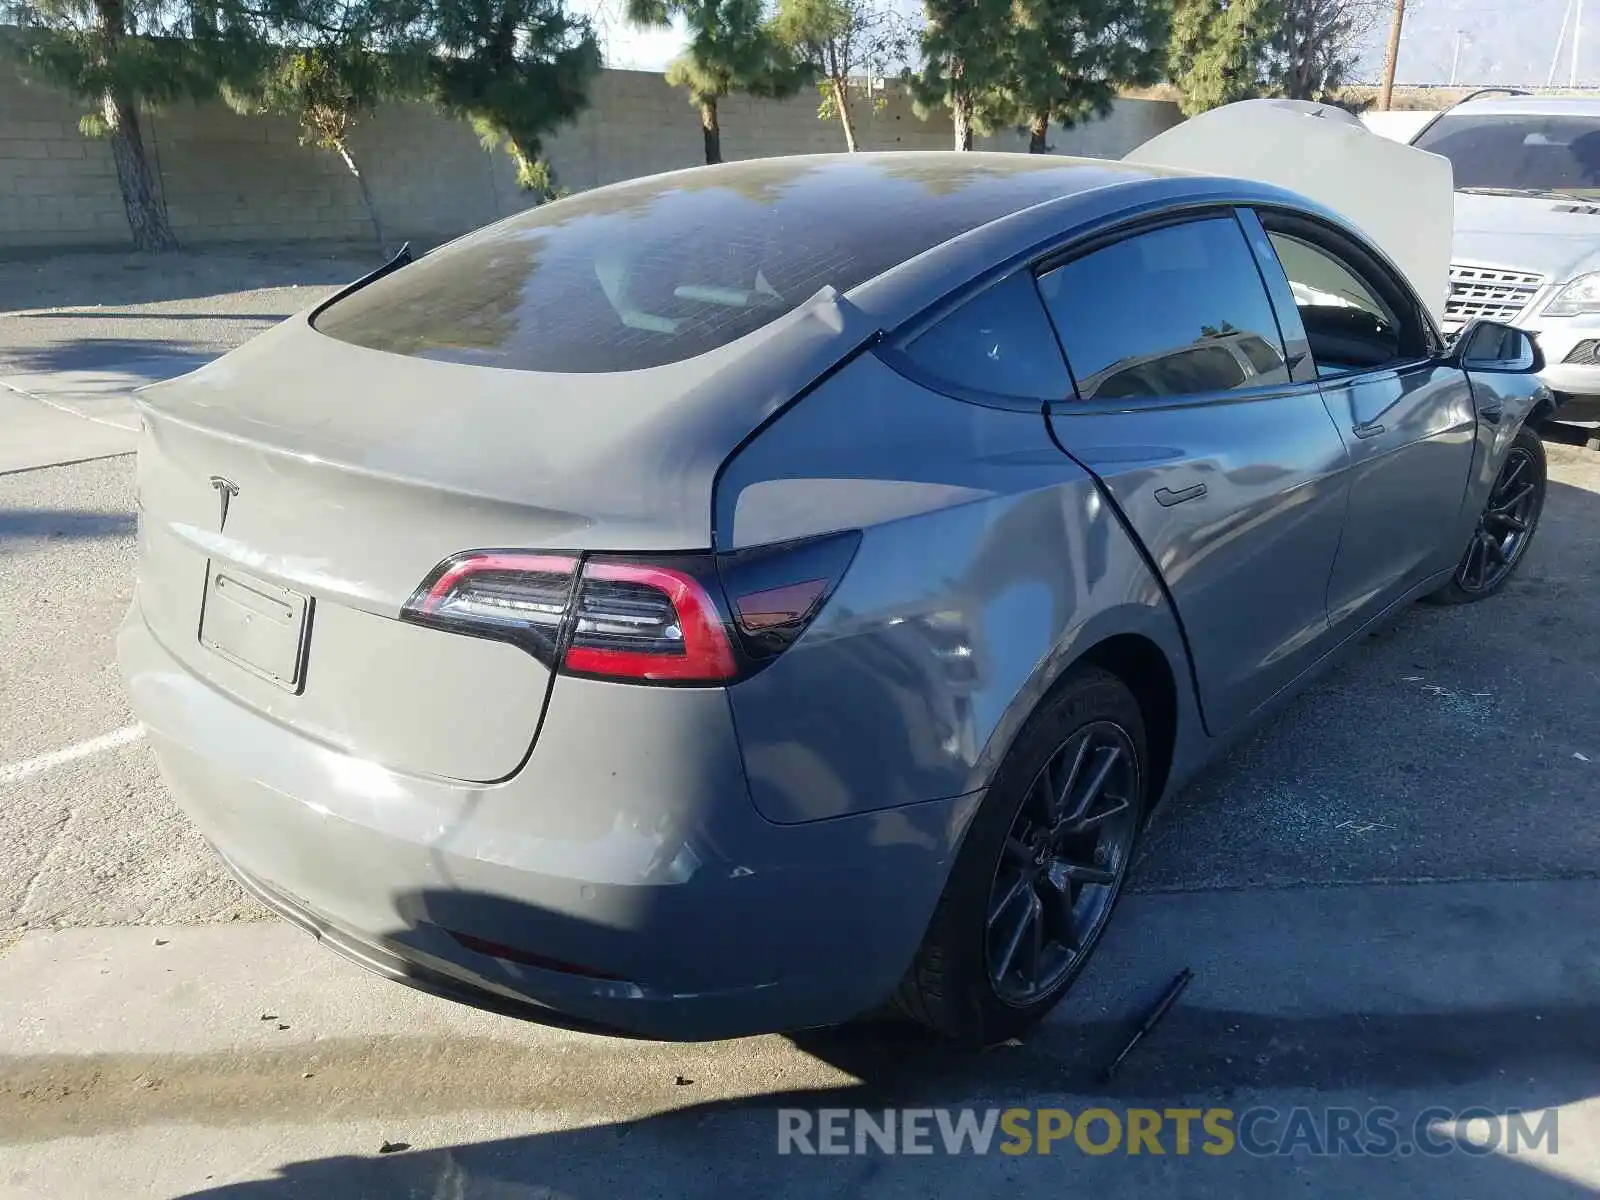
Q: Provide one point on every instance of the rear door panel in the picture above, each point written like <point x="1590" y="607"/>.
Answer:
<point x="1247" y="559"/>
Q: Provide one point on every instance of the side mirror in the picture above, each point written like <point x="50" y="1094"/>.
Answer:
<point x="1502" y="349"/>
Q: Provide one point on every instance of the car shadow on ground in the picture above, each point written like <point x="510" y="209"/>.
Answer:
<point x="1506" y="1058"/>
<point x="51" y="524"/>
<point x="111" y="278"/>
<point x="730" y="1147"/>
<point x="141" y="360"/>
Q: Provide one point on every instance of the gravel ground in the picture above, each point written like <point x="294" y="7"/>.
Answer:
<point x="68" y="309"/>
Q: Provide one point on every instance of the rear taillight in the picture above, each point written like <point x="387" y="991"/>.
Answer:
<point x="684" y="619"/>
<point x="635" y="621"/>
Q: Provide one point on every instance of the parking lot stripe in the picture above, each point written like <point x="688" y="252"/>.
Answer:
<point x="17" y="771"/>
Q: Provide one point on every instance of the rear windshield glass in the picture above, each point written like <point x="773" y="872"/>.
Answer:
<point x="659" y="270"/>
<point x="1519" y="153"/>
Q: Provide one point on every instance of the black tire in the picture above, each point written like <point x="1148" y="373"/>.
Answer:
<point x="1525" y="465"/>
<point x="950" y="987"/>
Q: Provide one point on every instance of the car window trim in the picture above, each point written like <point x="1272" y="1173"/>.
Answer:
<point x="1364" y="264"/>
<point x="1125" y="231"/>
<point x="1291" y="329"/>
<point x="1144" y="404"/>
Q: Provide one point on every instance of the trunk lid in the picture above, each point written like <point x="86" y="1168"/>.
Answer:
<point x="348" y="473"/>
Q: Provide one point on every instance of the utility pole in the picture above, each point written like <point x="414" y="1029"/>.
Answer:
<point x="1393" y="56"/>
<point x="1577" y="33"/>
<point x="1455" y="59"/>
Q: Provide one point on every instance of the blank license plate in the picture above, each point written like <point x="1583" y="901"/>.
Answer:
<point x="256" y="624"/>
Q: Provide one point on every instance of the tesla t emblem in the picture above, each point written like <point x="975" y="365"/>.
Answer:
<point x="226" y="491"/>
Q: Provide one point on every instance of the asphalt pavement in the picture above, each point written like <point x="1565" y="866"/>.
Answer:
<point x="1387" y="898"/>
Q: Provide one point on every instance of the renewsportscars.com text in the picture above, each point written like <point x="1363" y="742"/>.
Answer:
<point x="1262" y="1132"/>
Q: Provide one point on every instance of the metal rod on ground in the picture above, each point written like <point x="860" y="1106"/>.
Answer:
<point x="1168" y="999"/>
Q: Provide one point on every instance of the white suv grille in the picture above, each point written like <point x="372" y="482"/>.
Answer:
<point x="1486" y="292"/>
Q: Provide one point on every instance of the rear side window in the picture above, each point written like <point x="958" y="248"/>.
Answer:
<point x="999" y="343"/>
<point x="1175" y="311"/>
<point x="659" y="270"/>
<point x="1347" y="325"/>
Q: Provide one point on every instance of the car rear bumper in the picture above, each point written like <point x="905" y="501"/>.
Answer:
<point x="622" y="879"/>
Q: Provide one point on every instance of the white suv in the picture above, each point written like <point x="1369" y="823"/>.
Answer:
<point x="1527" y="230"/>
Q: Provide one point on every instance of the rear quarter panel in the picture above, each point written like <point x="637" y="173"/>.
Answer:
<point x="989" y="563"/>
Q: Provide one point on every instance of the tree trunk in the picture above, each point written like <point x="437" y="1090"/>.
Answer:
<point x="1038" y="130"/>
<point x="533" y="172"/>
<point x="711" y="129"/>
<point x="147" y="223"/>
<point x="366" y="198"/>
<point x="961" y="118"/>
<point x="839" y="95"/>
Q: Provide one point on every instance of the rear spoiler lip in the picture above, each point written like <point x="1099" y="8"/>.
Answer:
<point x="402" y="258"/>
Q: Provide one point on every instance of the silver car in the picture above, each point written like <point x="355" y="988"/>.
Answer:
<point x="730" y="600"/>
<point x="1527" y="229"/>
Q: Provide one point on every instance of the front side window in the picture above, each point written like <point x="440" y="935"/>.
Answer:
<point x="1514" y="153"/>
<point x="1175" y="311"/>
<point x="1347" y="325"/>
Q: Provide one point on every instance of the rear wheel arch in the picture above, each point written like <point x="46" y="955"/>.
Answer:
<point x="1143" y="666"/>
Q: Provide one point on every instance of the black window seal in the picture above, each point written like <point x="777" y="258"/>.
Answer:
<point x="403" y="257"/>
<point x="1291" y="329"/>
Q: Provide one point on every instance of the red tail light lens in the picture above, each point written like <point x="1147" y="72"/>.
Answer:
<point x="665" y="620"/>
<point x="648" y="622"/>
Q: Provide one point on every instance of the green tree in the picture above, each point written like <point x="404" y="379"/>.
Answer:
<point x="966" y="54"/>
<point x="1317" y="43"/>
<point x="1070" y="57"/>
<point x="114" y="55"/>
<point x="517" y="69"/>
<point x="846" y="43"/>
<point x="1221" y="50"/>
<point x="733" y="47"/>
<point x="341" y="59"/>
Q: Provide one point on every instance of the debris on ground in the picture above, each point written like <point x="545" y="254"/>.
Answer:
<point x="1163" y="1006"/>
<point x="393" y="1147"/>
<point x="1362" y="826"/>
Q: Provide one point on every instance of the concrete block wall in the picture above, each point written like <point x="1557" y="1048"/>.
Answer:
<point x="230" y="178"/>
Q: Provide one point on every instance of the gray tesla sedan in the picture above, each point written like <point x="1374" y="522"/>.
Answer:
<point x="732" y="600"/>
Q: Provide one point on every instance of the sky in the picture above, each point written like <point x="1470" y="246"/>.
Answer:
<point x="1501" y="41"/>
